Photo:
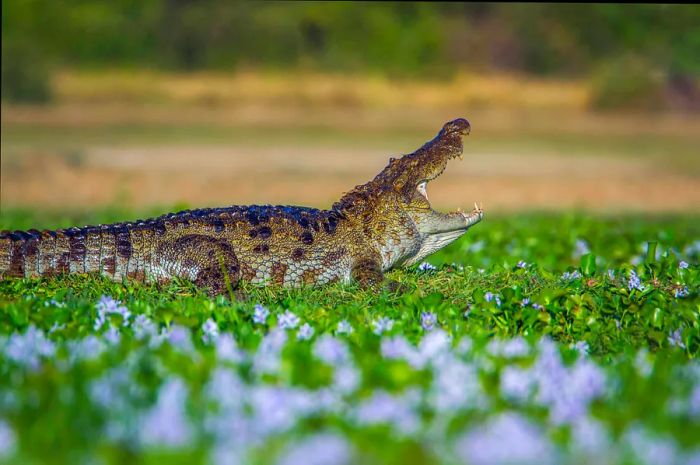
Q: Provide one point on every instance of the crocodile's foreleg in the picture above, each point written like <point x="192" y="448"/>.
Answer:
<point x="367" y="272"/>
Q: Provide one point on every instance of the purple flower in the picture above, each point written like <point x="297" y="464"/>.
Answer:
<point x="113" y="336"/>
<point x="464" y="346"/>
<point x="344" y="327"/>
<point x="683" y="265"/>
<point x="425" y="266"/>
<point x="681" y="292"/>
<point x="581" y="248"/>
<point x="611" y="275"/>
<point x="319" y="449"/>
<point x="110" y="390"/>
<point x="522" y="264"/>
<point x="525" y="302"/>
<point x="27" y="349"/>
<point x="8" y="440"/>
<point x="634" y="282"/>
<point x="582" y="347"/>
<point x="428" y="320"/>
<point x="477" y="246"/>
<point x="515" y="347"/>
<point x="332" y="351"/>
<point x="143" y="327"/>
<point x="693" y="248"/>
<point x="267" y="357"/>
<point x="226" y="348"/>
<point x="590" y="437"/>
<point x="56" y="327"/>
<point x="260" y="314"/>
<point x="287" y="320"/>
<point x="434" y="346"/>
<point x="166" y="423"/>
<point x="567" y="391"/>
<point x="583" y="383"/>
<point x="516" y="383"/>
<point x="179" y="337"/>
<point x="346" y="379"/>
<point x="570" y="275"/>
<point x="55" y="303"/>
<point x="648" y="448"/>
<point x="490" y="297"/>
<point x="382" y="325"/>
<point x="537" y="306"/>
<point x="455" y="385"/>
<point x="397" y="348"/>
<point x="675" y="339"/>
<point x="276" y="409"/>
<point x="642" y="364"/>
<point x="88" y="348"/>
<point x="694" y="401"/>
<point x="467" y="311"/>
<point x="210" y="331"/>
<point x="106" y="306"/>
<point x="226" y="388"/>
<point x="385" y="408"/>
<point x="305" y="332"/>
<point x="507" y="439"/>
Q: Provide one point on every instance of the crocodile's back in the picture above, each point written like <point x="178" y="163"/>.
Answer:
<point x="291" y="245"/>
<point x="281" y="244"/>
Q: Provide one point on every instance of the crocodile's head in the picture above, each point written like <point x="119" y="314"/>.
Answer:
<point x="414" y="172"/>
<point x="398" y="198"/>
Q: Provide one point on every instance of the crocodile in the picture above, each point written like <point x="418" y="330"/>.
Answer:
<point x="383" y="224"/>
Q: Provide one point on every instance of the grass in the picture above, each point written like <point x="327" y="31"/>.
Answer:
<point x="568" y="278"/>
<point x="313" y="89"/>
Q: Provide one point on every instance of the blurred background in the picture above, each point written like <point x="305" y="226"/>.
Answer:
<point x="178" y="103"/>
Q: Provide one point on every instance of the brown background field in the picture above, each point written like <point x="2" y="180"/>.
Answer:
<point x="208" y="140"/>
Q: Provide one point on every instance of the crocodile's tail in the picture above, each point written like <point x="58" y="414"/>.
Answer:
<point x="106" y="249"/>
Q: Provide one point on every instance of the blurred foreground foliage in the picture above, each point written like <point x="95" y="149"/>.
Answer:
<point x="165" y="374"/>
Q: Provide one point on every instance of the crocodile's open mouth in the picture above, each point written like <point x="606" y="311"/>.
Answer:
<point x="439" y="229"/>
<point x="471" y="217"/>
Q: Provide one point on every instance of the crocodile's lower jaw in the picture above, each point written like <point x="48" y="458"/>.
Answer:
<point x="433" y="243"/>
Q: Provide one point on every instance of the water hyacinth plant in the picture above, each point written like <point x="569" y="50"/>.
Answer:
<point x="515" y="364"/>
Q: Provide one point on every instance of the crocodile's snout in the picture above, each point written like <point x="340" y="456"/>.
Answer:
<point x="458" y="126"/>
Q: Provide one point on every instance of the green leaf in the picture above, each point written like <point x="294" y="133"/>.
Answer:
<point x="651" y="251"/>
<point x="588" y="264"/>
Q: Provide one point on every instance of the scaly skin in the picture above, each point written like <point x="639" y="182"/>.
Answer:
<point x="383" y="224"/>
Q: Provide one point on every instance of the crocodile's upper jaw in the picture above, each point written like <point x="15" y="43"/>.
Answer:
<point x="437" y="230"/>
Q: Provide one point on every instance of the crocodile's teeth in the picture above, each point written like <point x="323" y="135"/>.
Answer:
<point x="476" y="207"/>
